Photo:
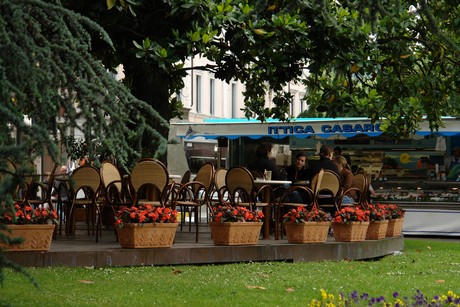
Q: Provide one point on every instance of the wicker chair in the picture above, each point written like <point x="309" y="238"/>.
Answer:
<point x="149" y="183"/>
<point x="193" y="195"/>
<point x="39" y="193"/>
<point x="115" y="192"/>
<point x="85" y="179"/>
<point x="360" y="187"/>
<point x="326" y="190"/>
<point x="292" y="197"/>
<point x="218" y="188"/>
<point x="242" y="191"/>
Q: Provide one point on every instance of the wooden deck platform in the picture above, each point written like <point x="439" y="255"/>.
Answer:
<point x="82" y="251"/>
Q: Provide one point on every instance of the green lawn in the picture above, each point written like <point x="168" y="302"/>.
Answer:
<point x="433" y="267"/>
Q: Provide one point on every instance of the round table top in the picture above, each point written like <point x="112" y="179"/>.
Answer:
<point x="259" y="180"/>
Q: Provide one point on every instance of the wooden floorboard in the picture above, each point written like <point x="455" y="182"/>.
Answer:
<point x="81" y="250"/>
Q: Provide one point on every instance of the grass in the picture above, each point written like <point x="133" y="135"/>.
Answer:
<point x="433" y="267"/>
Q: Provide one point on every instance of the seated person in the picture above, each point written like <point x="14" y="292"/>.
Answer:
<point x="325" y="162"/>
<point x="263" y="163"/>
<point x="347" y="178"/>
<point x="299" y="170"/>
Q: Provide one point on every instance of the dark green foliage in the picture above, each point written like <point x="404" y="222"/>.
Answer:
<point x="356" y="58"/>
<point x="50" y="82"/>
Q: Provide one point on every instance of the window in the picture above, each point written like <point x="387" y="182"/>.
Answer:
<point x="234" y="101"/>
<point x="212" y="98"/>
<point x="198" y="93"/>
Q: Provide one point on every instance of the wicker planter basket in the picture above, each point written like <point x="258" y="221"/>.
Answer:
<point x="149" y="235"/>
<point x="355" y="231"/>
<point x="377" y="230"/>
<point x="307" y="232"/>
<point x="395" y="227"/>
<point x="37" y="237"/>
<point x="235" y="233"/>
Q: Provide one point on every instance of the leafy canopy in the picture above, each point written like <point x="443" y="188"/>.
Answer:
<point x="379" y="59"/>
<point x="50" y="82"/>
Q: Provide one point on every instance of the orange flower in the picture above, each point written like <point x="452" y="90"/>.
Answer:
<point x="145" y="214"/>
<point x="301" y="214"/>
<point x="27" y="215"/>
<point x="227" y="213"/>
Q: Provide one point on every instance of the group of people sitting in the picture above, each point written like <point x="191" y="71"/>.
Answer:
<point x="302" y="172"/>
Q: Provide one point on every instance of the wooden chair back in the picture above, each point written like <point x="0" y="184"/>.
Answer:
<point x="186" y="177"/>
<point x="39" y="192"/>
<point x="87" y="180"/>
<point x="219" y="178"/>
<point x="205" y="175"/>
<point x="85" y="177"/>
<point x="326" y="188"/>
<point x="361" y="183"/>
<point x="240" y="185"/>
<point x="110" y="173"/>
<point x="148" y="173"/>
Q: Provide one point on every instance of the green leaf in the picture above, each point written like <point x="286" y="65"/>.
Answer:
<point x="163" y="53"/>
<point x="246" y="9"/>
<point x="195" y="36"/>
<point x="146" y="43"/>
<point x="136" y="44"/>
<point x="110" y="4"/>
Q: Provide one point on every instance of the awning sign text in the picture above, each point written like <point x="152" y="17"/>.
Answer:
<point x="329" y="129"/>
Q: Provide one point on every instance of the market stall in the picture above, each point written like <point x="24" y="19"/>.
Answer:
<point x="392" y="162"/>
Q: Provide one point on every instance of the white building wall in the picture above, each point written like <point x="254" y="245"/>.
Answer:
<point x="224" y="95"/>
<point x="229" y="102"/>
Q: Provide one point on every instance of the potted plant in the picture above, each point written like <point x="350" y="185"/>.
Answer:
<point x="235" y="225"/>
<point x="396" y="217"/>
<point x="146" y="226"/>
<point x="34" y="225"/>
<point x="304" y="226"/>
<point x="350" y="224"/>
<point x="378" y="222"/>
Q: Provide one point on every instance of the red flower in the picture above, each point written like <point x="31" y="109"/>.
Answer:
<point x="301" y="214"/>
<point x="227" y="213"/>
<point x="145" y="214"/>
<point x="27" y="215"/>
<point x="351" y="214"/>
<point x="142" y="218"/>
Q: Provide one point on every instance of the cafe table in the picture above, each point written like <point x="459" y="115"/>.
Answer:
<point x="267" y="196"/>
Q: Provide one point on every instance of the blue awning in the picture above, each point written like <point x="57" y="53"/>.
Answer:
<point x="298" y="127"/>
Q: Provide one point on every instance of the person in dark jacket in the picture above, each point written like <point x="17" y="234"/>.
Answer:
<point x="299" y="170"/>
<point x="325" y="162"/>
<point x="263" y="163"/>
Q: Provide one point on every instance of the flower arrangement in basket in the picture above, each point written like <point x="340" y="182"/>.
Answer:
<point x="351" y="214"/>
<point x="377" y="212"/>
<point x="30" y="229"/>
<point x="394" y="211"/>
<point x="24" y="215"/>
<point x="143" y="214"/>
<point x="228" y="213"/>
<point x="301" y="215"/>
